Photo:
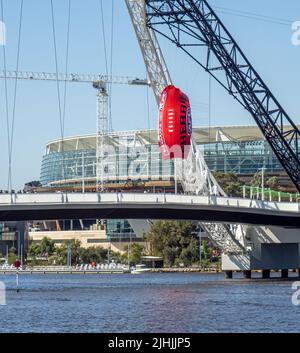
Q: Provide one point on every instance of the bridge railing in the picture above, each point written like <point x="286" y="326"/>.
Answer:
<point x="143" y="198"/>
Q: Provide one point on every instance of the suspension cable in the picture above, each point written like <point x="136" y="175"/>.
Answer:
<point x="9" y="185"/>
<point x="104" y="37"/>
<point x="67" y="64"/>
<point x="148" y="114"/>
<point x="16" y="85"/>
<point x="209" y="114"/>
<point x="57" y="85"/>
<point x="111" y="62"/>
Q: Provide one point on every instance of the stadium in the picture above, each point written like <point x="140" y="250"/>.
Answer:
<point x="137" y="166"/>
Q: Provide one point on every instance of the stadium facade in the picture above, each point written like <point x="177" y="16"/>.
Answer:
<point x="72" y="163"/>
<point x="133" y="162"/>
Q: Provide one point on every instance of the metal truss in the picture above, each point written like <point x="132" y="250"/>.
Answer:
<point x="80" y="78"/>
<point x="192" y="172"/>
<point x="154" y="61"/>
<point x="225" y="237"/>
<point x="102" y="132"/>
<point x="194" y="27"/>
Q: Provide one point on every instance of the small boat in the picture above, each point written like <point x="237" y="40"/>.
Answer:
<point x="140" y="269"/>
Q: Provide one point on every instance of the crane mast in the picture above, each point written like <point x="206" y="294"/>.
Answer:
<point x="102" y="131"/>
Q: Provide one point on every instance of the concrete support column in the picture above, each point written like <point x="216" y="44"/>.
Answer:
<point x="228" y="274"/>
<point x="265" y="274"/>
<point x="247" y="274"/>
<point x="284" y="273"/>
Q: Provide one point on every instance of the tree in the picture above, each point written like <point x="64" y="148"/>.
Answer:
<point x="12" y="250"/>
<point x="170" y="254"/>
<point x="230" y="183"/>
<point x="273" y="183"/>
<point x="190" y="254"/>
<point x="34" y="249"/>
<point x="205" y="250"/>
<point x="117" y="257"/>
<point x="174" y="241"/>
<point x="256" y="179"/>
<point x="47" y="247"/>
<point x="97" y="254"/>
<point x="62" y="252"/>
<point x="136" y="253"/>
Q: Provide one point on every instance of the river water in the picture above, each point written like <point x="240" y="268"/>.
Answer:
<point x="147" y="303"/>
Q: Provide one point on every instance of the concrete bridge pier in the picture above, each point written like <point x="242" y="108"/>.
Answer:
<point x="228" y="274"/>
<point x="247" y="274"/>
<point x="266" y="274"/>
<point x="271" y="248"/>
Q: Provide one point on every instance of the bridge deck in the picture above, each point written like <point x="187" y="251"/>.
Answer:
<point x="51" y="206"/>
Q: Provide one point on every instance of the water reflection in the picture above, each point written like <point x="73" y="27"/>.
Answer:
<point x="147" y="303"/>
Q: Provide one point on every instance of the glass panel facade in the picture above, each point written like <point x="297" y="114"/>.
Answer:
<point x="7" y="231"/>
<point x="240" y="157"/>
<point x="141" y="162"/>
<point x="119" y="228"/>
<point x="145" y="162"/>
<point x="58" y="166"/>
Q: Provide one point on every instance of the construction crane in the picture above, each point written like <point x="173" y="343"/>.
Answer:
<point x="99" y="82"/>
<point x="195" y="28"/>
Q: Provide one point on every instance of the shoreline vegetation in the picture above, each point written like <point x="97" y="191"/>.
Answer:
<point x="177" y="243"/>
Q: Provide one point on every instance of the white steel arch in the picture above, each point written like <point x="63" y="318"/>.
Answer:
<point x="193" y="172"/>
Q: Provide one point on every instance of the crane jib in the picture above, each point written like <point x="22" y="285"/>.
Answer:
<point x="195" y="28"/>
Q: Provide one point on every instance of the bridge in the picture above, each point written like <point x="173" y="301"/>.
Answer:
<point x="272" y="240"/>
<point x="53" y="206"/>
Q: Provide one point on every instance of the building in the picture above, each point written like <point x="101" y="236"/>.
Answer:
<point x="13" y="235"/>
<point x="239" y="149"/>
<point x="88" y="238"/>
<point x="132" y="161"/>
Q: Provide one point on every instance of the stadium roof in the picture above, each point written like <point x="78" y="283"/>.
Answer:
<point x="201" y="135"/>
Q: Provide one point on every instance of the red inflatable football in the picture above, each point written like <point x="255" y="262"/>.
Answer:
<point x="175" y="124"/>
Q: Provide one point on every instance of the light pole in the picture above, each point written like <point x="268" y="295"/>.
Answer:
<point x="129" y="251"/>
<point x="263" y="183"/>
<point x="200" y="249"/>
<point x="18" y="242"/>
<point x="108" y="255"/>
<point x="21" y="260"/>
<point x="175" y="176"/>
<point x="69" y="256"/>
<point x="83" y="174"/>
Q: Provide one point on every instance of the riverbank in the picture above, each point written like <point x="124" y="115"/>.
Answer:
<point x="66" y="270"/>
<point x="186" y="269"/>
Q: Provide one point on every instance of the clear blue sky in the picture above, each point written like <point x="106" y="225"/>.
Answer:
<point x="267" y="45"/>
